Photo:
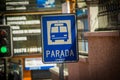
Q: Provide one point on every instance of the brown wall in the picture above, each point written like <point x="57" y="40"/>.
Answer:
<point x="103" y="58"/>
<point x="79" y="70"/>
<point x="73" y="70"/>
<point x="104" y="55"/>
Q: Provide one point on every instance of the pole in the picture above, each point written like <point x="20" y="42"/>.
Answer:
<point x="5" y="69"/>
<point x="61" y="71"/>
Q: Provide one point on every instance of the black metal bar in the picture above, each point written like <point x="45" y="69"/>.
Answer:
<point x="61" y="71"/>
<point x="5" y="69"/>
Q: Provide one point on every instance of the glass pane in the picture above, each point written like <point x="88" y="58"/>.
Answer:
<point x="82" y="23"/>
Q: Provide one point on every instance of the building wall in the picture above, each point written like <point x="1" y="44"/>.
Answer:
<point x="104" y="54"/>
<point x="103" y="58"/>
<point x="79" y="70"/>
<point x="93" y="16"/>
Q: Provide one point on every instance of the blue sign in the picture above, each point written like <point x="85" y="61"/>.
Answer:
<point x="59" y="38"/>
<point x="37" y="64"/>
<point x="45" y="3"/>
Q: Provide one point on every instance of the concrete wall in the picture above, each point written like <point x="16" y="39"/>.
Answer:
<point x="79" y="70"/>
<point x="104" y="55"/>
<point x="103" y="61"/>
<point x="55" y="74"/>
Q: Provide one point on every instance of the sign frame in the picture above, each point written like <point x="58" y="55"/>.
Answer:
<point x="62" y="50"/>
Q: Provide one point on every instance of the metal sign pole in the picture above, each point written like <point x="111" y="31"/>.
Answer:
<point x="5" y="69"/>
<point x="61" y="71"/>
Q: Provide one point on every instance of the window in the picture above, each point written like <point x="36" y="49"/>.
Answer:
<point x="82" y="22"/>
<point x="108" y="15"/>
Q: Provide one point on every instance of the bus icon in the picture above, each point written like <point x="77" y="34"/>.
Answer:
<point x="58" y="31"/>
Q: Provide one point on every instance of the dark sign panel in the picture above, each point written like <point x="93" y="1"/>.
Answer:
<point x="32" y="5"/>
<point x="26" y="33"/>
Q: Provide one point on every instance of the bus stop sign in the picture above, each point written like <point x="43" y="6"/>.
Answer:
<point x="59" y="38"/>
